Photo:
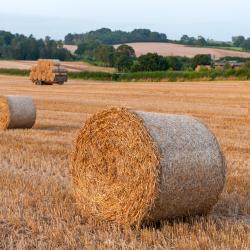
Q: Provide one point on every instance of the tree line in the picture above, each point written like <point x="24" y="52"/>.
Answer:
<point x="241" y="73"/>
<point x="96" y="46"/>
<point x="124" y="59"/>
<point x="237" y="41"/>
<point x="242" y="42"/>
<point x="20" y="47"/>
<point x="107" y="36"/>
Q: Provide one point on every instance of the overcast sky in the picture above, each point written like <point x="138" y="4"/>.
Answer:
<point x="218" y="19"/>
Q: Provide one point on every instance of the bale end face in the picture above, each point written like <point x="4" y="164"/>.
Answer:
<point x="115" y="167"/>
<point x="4" y="113"/>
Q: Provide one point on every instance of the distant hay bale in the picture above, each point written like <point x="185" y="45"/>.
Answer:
<point x="132" y="167"/>
<point x="17" y="112"/>
<point x="48" y="71"/>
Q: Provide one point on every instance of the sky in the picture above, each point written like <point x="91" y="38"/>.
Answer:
<point x="216" y="19"/>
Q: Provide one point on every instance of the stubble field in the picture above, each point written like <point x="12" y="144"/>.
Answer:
<point x="37" y="208"/>
<point x="70" y="66"/>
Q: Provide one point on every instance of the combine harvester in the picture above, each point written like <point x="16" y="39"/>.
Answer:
<point x="48" y="72"/>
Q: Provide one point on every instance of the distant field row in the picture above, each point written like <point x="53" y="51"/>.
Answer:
<point x="158" y="76"/>
<point x="171" y="49"/>
<point x="165" y="49"/>
<point x="70" y="66"/>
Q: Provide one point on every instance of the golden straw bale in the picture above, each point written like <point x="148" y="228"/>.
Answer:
<point x="47" y="70"/>
<point x="17" y="112"/>
<point x="4" y="113"/>
<point x="132" y="167"/>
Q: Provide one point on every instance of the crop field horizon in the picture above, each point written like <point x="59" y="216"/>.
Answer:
<point x="37" y="209"/>
<point x="71" y="66"/>
<point x="172" y="49"/>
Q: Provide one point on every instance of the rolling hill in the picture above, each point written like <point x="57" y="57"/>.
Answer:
<point x="170" y="49"/>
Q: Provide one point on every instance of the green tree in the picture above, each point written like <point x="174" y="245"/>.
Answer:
<point x="124" y="58"/>
<point x="107" y="36"/>
<point x="28" y="48"/>
<point x="69" y="39"/>
<point x="202" y="60"/>
<point x="174" y="62"/>
<point x="151" y="62"/>
<point x="238" y="41"/>
<point x="185" y="39"/>
<point x="201" y="41"/>
<point x="246" y="45"/>
<point x="105" y="54"/>
<point x="86" y="50"/>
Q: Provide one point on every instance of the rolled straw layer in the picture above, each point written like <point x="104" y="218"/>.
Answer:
<point x="132" y="167"/>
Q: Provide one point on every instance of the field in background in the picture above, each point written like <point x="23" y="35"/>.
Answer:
<point x="37" y="208"/>
<point x="71" y="48"/>
<point x="232" y="48"/>
<point x="70" y="66"/>
<point x="170" y="49"/>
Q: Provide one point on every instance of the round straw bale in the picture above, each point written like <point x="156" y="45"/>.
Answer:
<point x="17" y="112"/>
<point x="133" y="167"/>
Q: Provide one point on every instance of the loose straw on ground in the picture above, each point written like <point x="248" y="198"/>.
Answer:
<point x="133" y="167"/>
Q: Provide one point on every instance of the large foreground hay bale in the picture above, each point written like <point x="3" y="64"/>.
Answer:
<point x="132" y="167"/>
<point x="17" y="112"/>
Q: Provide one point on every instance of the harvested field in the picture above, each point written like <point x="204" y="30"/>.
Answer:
<point x="170" y="49"/>
<point x="70" y="66"/>
<point x="37" y="207"/>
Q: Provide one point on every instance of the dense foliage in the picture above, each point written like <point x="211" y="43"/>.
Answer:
<point x="97" y="47"/>
<point x="155" y="62"/>
<point x="235" y="59"/>
<point x="238" y="42"/>
<point x="20" y="47"/>
<point x="106" y="54"/>
<point x="150" y="62"/>
<point x="124" y="58"/>
<point x="242" y="42"/>
<point x="202" y="60"/>
<point x="242" y="73"/>
<point x="107" y="36"/>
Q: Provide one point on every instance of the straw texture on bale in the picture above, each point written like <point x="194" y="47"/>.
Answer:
<point x="17" y="112"/>
<point x="132" y="167"/>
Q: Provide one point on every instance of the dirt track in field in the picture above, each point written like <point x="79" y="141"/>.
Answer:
<point x="170" y="49"/>
<point x="70" y="66"/>
<point x="37" y="209"/>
